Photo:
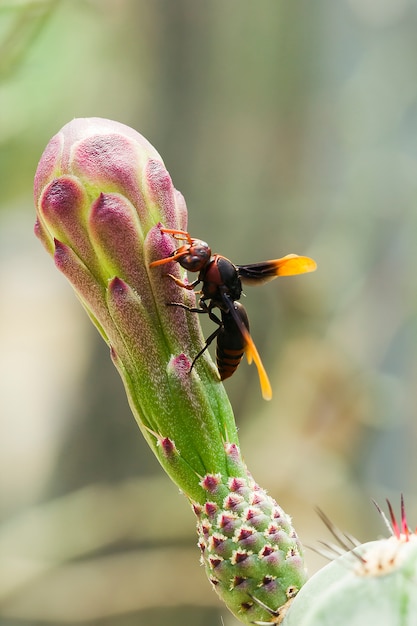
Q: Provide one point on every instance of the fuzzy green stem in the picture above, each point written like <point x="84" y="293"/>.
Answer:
<point x="102" y="195"/>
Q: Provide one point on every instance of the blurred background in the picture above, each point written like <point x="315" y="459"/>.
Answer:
<point x="288" y="127"/>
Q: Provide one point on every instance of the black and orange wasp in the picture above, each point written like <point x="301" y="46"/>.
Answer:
<point x="221" y="289"/>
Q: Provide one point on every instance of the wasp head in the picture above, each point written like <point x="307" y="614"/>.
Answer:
<point x="194" y="256"/>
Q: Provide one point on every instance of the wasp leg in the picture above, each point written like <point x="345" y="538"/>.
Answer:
<point x="190" y="309"/>
<point x="209" y="340"/>
<point x="179" y="282"/>
<point x="203" y="308"/>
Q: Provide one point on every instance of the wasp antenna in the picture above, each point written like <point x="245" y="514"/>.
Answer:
<point x="160" y="262"/>
<point x="168" y="259"/>
<point x="178" y="234"/>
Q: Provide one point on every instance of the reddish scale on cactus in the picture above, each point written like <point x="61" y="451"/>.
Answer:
<point x="233" y="501"/>
<point x="211" y="483"/>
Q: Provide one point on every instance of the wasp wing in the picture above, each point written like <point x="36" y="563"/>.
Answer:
<point x="250" y="348"/>
<point x="259" y="273"/>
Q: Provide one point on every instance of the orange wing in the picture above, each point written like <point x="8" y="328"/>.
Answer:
<point x="251" y="352"/>
<point x="259" y="273"/>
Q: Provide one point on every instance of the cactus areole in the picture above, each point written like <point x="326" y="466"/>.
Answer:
<point x="103" y="197"/>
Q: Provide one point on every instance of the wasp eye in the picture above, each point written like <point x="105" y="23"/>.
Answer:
<point x="202" y="251"/>
<point x="197" y="257"/>
<point x="193" y="262"/>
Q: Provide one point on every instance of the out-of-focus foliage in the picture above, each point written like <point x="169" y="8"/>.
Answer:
<point x="289" y="127"/>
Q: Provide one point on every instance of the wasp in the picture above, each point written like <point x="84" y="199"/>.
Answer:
<point x="221" y="289"/>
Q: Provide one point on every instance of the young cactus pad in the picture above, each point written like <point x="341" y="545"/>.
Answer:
<point x="373" y="583"/>
<point x="103" y="194"/>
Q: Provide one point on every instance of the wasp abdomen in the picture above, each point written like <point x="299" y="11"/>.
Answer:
<point x="227" y="361"/>
<point x="230" y="342"/>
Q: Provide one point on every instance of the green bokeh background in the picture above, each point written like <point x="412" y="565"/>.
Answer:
<point x="289" y="126"/>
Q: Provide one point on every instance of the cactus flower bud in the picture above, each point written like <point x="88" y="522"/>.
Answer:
<point x="102" y="194"/>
